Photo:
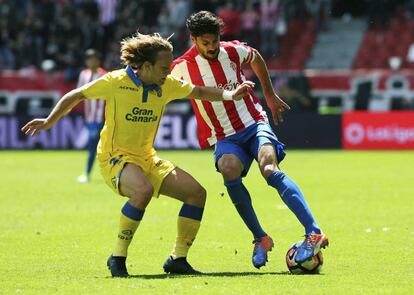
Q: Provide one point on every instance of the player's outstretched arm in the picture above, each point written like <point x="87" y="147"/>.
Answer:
<point x="64" y="105"/>
<point x="275" y="103"/>
<point x="215" y="94"/>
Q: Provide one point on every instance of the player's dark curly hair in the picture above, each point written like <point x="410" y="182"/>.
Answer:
<point x="139" y="48"/>
<point x="204" y="22"/>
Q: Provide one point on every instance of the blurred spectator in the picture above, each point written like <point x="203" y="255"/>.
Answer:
<point x="112" y="60"/>
<point x="165" y="22"/>
<point x="269" y="12"/>
<point x="62" y="30"/>
<point x="90" y="8"/>
<point x="107" y="15"/>
<point x="178" y="11"/>
<point x="281" y="24"/>
<point x="22" y="11"/>
<point x="397" y="86"/>
<point x="231" y="19"/>
<point x="71" y="58"/>
<point x="249" y="25"/>
<point x="90" y="30"/>
<point x="93" y="108"/>
<point x="295" y="9"/>
<point x="409" y="5"/>
<point x="319" y="10"/>
<point x="7" y="60"/>
<point x="410" y="54"/>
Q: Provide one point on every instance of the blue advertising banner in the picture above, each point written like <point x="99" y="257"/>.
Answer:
<point x="175" y="132"/>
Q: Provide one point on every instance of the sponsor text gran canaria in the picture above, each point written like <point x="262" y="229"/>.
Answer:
<point x="141" y="115"/>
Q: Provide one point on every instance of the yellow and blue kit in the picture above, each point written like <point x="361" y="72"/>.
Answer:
<point x="132" y="115"/>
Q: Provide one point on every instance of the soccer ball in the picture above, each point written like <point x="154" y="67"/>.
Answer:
<point x="311" y="266"/>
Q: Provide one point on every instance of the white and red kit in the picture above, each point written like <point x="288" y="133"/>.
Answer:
<point x="94" y="108"/>
<point x="219" y="119"/>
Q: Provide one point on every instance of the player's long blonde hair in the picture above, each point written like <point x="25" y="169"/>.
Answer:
<point x="139" y="48"/>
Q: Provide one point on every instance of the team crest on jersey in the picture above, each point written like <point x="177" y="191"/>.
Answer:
<point x="114" y="182"/>
<point x="233" y="66"/>
<point x="159" y="92"/>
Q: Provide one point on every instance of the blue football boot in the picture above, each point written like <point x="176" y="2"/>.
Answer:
<point x="311" y="246"/>
<point x="261" y="247"/>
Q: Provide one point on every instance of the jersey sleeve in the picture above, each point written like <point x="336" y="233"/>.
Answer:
<point x="246" y="53"/>
<point x="98" y="89"/>
<point x="177" y="88"/>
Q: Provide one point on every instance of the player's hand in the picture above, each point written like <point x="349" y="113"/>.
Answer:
<point x="277" y="107"/>
<point x="33" y="127"/>
<point x="242" y="90"/>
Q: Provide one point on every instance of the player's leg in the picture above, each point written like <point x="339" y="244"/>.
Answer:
<point x="133" y="184"/>
<point x="232" y="163"/>
<point x="92" y="144"/>
<point x="292" y="197"/>
<point x="288" y="190"/>
<point x="231" y="168"/>
<point x="180" y="185"/>
<point x="93" y="139"/>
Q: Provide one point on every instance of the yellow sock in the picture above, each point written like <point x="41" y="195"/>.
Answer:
<point x="187" y="229"/>
<point x="127" y="228"/>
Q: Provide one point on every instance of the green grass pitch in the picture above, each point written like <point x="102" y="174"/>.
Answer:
<point x="56" y="235"/>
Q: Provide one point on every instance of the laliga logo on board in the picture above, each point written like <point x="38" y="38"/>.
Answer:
<point x="354" y="133"/>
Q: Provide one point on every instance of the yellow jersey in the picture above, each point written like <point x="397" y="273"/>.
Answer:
<point x="132" y="111"/>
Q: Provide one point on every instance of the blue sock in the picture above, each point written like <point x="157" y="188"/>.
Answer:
<point x="293" y="198"/>
<point x="191" y="211"/>
<point x="243" y="203"/>
<point x="132" y="212"/>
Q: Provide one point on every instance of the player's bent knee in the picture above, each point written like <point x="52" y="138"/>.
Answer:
<point x="141" y="196"/>
<point x="268" y="169"/>
<point x="197" y="196"/>
<point x="201" y="195"/>
<point x="229" y="168"/>
<point x="230" y="174"/>
<point x="146" y="191"/>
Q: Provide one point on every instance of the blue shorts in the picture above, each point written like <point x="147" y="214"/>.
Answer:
<point x="245" y="145"/>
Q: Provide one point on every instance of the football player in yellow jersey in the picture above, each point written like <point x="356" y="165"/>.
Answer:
<point x="135" y="98"/>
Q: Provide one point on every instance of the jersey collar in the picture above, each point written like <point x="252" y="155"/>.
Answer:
<point x="145" y="88"/>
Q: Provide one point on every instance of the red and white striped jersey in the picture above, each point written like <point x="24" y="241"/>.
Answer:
<point x="94" y="108"/>
<point x="219" y="119"/>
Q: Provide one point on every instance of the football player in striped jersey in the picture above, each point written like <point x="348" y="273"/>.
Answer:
<point x="93" y="109"/>
<point x="240" y="129"/>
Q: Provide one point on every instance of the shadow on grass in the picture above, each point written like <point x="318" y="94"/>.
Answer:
<point x="207" y="274"/>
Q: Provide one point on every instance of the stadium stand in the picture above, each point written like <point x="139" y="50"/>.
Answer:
<point x="295" y="46"/>
<point x="383" y="41"/>
<point x="312" y="41"/>
<point x="53" y="32"/>
<point x="335" y="48"/>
